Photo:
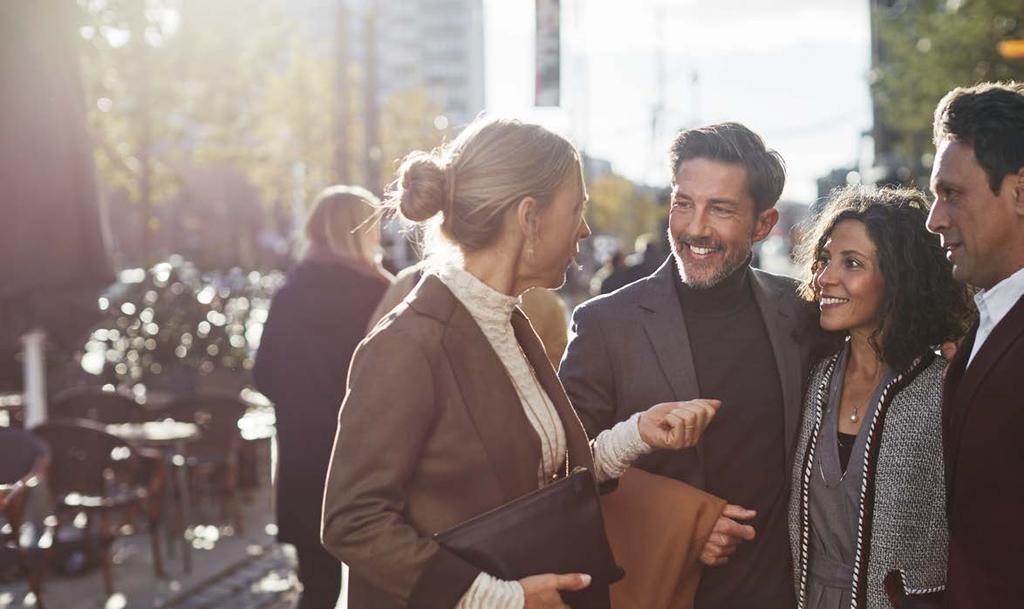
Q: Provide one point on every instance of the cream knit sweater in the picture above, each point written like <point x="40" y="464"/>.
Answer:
<point x="614" y="449"/>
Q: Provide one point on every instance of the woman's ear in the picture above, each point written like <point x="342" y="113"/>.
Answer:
<point x="527" y="221"/>
<point x="526" y="216"/>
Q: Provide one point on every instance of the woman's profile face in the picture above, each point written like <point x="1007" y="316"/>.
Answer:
<point x="559" y="230"/>
<point x="848" y="282"/>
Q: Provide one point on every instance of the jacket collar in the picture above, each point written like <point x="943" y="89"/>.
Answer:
<point x="493" y="405"/>
<point x="667" y="333"/>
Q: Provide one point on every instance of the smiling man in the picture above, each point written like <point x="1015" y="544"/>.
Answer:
<point x="706" y="324"/>
<point x="978" y="181"/>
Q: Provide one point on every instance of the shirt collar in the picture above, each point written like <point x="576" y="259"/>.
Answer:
<point x="995" y="302"/>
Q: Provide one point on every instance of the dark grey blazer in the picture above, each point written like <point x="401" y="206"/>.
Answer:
<point x="629" y="350"/>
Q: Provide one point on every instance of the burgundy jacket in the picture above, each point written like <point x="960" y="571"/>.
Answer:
<point x="983" y="423"/>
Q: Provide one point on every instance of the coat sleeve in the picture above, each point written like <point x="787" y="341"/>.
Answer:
<point x="587" y="374"/>
<point x="384" y="422"/>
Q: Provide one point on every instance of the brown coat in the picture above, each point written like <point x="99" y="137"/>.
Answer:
<point x="657" y="528"/>
<point x="431" y="433"/>
<point x="983" y="416"/>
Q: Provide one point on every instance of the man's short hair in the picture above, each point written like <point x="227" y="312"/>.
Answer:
<point x="989" y="117"/>
<point x="734" y="143"/>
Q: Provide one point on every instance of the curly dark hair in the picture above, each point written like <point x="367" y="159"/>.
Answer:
<point x="923" y="305"/>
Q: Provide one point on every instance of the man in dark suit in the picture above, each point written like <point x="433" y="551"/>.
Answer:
<point x="706" y="324"/>
<point x="978" y="181"/>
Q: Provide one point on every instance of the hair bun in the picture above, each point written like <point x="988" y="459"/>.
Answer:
<point x="421" y="188"/>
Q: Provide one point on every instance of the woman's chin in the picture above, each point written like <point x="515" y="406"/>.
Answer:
<point x="831" y="325"/>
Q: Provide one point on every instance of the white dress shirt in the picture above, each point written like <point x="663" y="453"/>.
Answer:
<point x="993" y="305"/>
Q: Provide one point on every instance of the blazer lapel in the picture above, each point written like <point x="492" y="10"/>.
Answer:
<point x="512" y="447"/>
<point x="952" y="410"/>
<point x="778" y="321"/>
<point x="575" y="437"/>
<point x="666" y="330"/>
<point x="1000" y="339"/>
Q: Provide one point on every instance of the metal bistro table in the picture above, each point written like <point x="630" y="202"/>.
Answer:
<point x="172" y="437"/>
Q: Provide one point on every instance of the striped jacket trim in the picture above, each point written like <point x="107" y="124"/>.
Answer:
<point x="867" y="491"/>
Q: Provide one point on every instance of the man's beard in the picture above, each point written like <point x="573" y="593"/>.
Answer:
<point x="733" y="258"/>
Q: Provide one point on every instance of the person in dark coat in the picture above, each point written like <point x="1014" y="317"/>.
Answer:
<point x="978" y="181"/>
<point x="316" y="320"/>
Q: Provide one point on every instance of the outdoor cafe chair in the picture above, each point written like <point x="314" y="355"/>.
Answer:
<point x="100" y="475"/>
<point x="23" y="459"/>
<point x="214" y="458"/>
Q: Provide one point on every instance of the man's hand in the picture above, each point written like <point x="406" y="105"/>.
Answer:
<point x="726" y="535"/>
<point x="675" y="425"/>
<point x="541" y="591"/>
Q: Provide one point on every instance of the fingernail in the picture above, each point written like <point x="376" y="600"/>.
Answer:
<point x="585" y="578"/>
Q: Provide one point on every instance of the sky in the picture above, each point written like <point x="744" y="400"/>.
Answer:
<point x="794" y="71"/>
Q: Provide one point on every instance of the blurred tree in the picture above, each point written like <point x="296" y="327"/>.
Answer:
<point x="927" y="47"/>
<point x="407" y="124"/>
<point x="185" y="88"/>
<point x="617" y="207"/>
<point x="127" y="106"/>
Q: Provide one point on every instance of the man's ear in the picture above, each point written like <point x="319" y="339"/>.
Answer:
<point x="1018" y="191"/>
<point x="764" y="224"/>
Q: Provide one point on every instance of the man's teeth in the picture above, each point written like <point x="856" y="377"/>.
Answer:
<point x="700" y="251"/>
<point x="828" y="300"/>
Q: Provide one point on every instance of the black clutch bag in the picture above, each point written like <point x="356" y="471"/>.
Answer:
<point x="556" y="529"/>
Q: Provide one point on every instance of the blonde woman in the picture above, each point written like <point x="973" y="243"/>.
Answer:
<point x="452" y="406"/>
<point x="316" y="320"/>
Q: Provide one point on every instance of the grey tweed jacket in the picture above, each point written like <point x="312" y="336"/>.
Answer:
<point x="902" y="513"/>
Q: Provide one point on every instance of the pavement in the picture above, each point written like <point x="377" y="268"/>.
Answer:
<point x="230" y="569"/>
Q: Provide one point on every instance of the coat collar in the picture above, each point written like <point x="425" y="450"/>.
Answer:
<point x="667" y="333"/>
<point x="779" y="322"/>
<point x="999" y="340"/>
<point x="963" y="381"/>
<point x="511" y="444"/>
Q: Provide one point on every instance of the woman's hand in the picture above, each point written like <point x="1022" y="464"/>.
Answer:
<point x="676" y="425"/>
<point x="541" y="591"/>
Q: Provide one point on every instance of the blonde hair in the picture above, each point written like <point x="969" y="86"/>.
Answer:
<point x="463" y="189"/>
<point x="340" y="220"/>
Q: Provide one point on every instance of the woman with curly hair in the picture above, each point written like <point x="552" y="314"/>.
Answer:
<point x="867" y="514"/>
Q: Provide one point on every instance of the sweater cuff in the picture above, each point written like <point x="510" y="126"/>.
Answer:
<point x="488" y="592"/>
<point x="444" y="580"/>
<point x="617" y="448"/>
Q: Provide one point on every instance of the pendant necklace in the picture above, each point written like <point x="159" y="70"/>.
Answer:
<point x="853" y="417"/>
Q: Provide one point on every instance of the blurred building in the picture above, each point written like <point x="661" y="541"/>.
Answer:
<point x="436" y="46"/>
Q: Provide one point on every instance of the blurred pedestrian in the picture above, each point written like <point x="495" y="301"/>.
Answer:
<point x="452" y="407"/>
<point x="645" y="260"/>
<point x="978" y="182"/>
<point x="867" y="516"/>
<point x="316" y="320"/>
<point x="615" y="261"/>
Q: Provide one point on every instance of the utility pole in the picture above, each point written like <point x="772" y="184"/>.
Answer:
<point x="145" y="135"/>
<point x="341" y="93"/>
<point x="372" y="110"/>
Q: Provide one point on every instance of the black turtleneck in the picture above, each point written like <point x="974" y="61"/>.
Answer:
<point x="744" y="447"/>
